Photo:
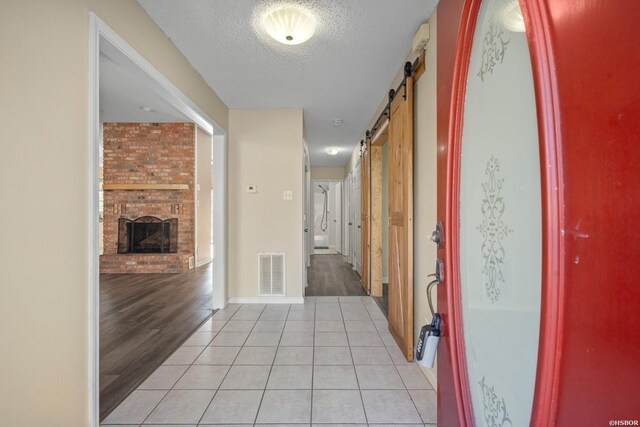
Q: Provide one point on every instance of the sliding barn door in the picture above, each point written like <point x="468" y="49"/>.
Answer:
<point x="401" y="219"/>
<point x="366" y="218"/>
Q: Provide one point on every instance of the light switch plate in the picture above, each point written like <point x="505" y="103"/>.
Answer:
<point x="287" y="195"/>
<point x="252" y="188"/>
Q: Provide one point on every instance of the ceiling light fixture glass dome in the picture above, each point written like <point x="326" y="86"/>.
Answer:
<point x="332" y="151"/>
<point x="290" y="25"/>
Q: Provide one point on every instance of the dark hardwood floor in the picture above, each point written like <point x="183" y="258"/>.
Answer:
<point x="143" y="319"/>
<point x="332" y="275"/>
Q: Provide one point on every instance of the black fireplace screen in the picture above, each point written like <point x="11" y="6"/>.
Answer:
<point x="147" y="235"/>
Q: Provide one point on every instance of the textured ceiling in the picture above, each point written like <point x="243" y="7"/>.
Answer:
<point x="343" y="72"/>
<point x="122" y="96"/>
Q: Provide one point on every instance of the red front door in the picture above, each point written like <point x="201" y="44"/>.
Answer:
<point x="538" y="172"/>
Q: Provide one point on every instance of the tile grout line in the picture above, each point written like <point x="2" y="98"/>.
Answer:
<point x="313" y="360"/>
<point x="232" y="362"/>
<point x="155" y="370"/>
<point x="396" y="369"/>
<point x="264" y="391"/>
<point x="353" y="363"/>
<point x="189" y="366"/>
<point x="278" y="346"/>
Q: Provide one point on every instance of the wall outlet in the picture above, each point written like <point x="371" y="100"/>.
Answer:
<point x="287" y="195"/>
<point x="252" y="188"/>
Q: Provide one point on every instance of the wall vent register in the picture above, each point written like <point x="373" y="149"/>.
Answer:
<point x="271" y="274"/>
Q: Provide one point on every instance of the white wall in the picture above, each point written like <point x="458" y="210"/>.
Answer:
<point x="336" y="216"/>
<point x="204" y="196"/>
<point x="318" y="213"/>
<point x="44" y="170"/>
<point x="334" y="219"/>
<point x="265" y="149"/>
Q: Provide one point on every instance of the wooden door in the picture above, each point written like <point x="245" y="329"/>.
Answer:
<point x="365" y="168"/>
<point x="401" y="219"/>
<point x="375" y="230"/>
<point x="587" y="159"/>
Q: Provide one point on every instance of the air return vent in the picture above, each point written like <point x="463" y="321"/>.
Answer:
<point x="271" y="274"/>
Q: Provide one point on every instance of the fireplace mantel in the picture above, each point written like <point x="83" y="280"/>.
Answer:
<point x="133" y="187"/>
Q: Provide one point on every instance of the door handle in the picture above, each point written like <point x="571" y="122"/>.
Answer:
<point x="306" y="230"/>
<point x="438" y="276"/>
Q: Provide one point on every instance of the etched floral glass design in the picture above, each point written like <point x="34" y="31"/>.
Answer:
<point x="500" y="223"/>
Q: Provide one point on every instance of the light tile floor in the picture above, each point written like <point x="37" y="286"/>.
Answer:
<point x="330" y="361"/>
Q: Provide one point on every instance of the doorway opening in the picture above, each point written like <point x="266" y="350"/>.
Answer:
<point x="156" y="219"/>
<point x="331" y="272"/>
<point x="327" y="217"/>
<point x="380" y="219"/>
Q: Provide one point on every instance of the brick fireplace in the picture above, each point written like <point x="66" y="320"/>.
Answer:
<point x="149" y="207"/>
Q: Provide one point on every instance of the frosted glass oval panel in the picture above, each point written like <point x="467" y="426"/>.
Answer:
<point x="500" y="220"/>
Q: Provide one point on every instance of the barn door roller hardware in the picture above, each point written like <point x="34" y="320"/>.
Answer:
<point x="409" y="69"/>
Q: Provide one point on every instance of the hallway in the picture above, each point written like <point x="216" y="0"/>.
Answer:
<point x="330" y="360"/>
<point x="332" y="275"/>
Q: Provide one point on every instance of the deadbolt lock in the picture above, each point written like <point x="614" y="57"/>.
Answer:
<point x="438" y="234"/>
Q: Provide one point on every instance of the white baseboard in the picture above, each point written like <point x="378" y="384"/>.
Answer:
<point x="267" y="300"/>
<point x="203" y="262"/>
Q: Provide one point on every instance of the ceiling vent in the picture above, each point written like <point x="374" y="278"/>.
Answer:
<point x="271" y="274"/>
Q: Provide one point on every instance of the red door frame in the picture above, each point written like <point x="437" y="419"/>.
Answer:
<point x="572" y="293"/>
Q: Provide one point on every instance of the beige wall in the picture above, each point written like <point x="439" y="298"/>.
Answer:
<point x="265" y="149"/>
<point x="424" y="190"/>
<point x="353" y="160"/>
<point x="132" y="23"/>
<point x="43" y="171"/>
<point x="318" y="173"/>
<point x="203" y="194"/>
<point x="44" y="166"/>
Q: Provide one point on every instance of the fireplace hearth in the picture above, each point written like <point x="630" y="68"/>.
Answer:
<point x="147" y="235"/>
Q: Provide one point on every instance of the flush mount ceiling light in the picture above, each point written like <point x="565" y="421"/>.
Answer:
<point x="338" y="122"/>
<point x="146" y="108"/>
<point x="512" y="18"/>
<point x="332" y="151"/>
<point x="290" y="25"/>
